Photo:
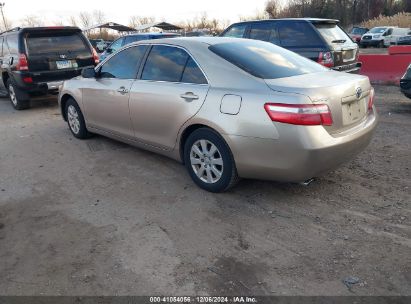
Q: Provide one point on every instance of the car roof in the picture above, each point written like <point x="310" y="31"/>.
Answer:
<point x="42" y="28"/>
<point x="307" y="19"/>
<point x="152" y="34"/>
<point x="192" y="41"/>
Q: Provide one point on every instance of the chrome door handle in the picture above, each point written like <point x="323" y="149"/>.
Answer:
<point x="122" y="90"/>
<point x="189" y="96"/>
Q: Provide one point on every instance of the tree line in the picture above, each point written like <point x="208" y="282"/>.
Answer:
<point x="349" y="12"/>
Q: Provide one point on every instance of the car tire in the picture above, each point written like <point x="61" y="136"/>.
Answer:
<point x="19" y="99"/>
<point x="381" y="45"/>
<point x="75" y="120"/>
<point x="407" y="95"/>
<point x="209" y="161"/>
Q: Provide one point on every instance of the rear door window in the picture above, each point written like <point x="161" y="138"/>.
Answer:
<point x="298" y="34"/>
<point x="265" y="31"/>
<point x="125" y="64"/>
<point x="39" y="44"/>
<point x="167" y="63"/>
<point x="236" y="31"/>
<point x="192" y="73"/>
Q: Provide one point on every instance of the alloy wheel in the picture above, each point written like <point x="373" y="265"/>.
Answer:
<point x="206" y="161"/>
<point x="73" y="119"/>
<point x="12" y="94"/>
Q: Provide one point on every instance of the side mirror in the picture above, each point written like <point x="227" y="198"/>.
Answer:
<point x="88" y="73"/>
<point x="109" y="50"/>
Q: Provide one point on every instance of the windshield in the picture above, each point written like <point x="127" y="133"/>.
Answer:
<point x="332" y="33"/>
<point x="378" y="30"/>
<point x="265" y="60"/>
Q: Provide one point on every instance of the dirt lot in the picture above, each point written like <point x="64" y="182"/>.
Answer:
<point x="98" y="217"/>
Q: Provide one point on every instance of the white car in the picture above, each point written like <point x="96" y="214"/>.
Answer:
<point x="375" y="37"/>
<point x="395" y="35"/>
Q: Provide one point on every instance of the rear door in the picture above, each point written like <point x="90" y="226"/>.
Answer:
<point x="56" y="54"/>
<point x="171" y="90"/>
<point x="301" y="38"/>
<point x="106" y="97"/>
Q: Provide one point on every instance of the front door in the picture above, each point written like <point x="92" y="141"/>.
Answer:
<point x="172" y="89"/>
<point x="106" y="97"/>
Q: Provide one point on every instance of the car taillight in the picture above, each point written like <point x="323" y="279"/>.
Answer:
<point x="22" y="64"/>
<point x="326" y="59"/>
<point x="95" y="57"/>
<point x="300" y="114"/>
<point x="28" y="79"/>
<point x="371" y="99"/>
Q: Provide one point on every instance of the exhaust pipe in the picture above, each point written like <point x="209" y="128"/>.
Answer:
<point x="307" y="182"/>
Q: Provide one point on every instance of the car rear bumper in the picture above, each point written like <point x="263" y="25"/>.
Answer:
<point x="300" y="153"/>
<point x="349" y="68"/>
<point x="44" y="82"/>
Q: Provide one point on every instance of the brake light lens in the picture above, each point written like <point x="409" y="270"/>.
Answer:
<point x="95" y="57"/>
<point x="371" y="100"/>
<point x="326" y="59"/>
<point x="28" y="79"/>
<point x="22" y="64"/>
<point x="300" y="114"/>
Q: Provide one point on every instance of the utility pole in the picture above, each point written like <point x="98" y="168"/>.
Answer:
<point x="2" y="14"/>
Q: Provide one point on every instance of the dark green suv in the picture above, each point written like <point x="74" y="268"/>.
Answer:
<point x="36" y="60"/>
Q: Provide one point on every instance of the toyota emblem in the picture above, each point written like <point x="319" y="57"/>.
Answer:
<point x="358" y="93"/>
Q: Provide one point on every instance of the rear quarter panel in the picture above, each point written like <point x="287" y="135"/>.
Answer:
<point x="71" y="88"/>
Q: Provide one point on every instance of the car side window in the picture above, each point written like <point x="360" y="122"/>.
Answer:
<point x="12" y="43"/>
<point x="265" y="31"/>
<point x="297" y="34"/>
<point x="236" y="31"/>
<point x="125" y="64"/>
<point x="165" y="63"/>
<point x="192" y="73"/>
<point x="116" y="45"/>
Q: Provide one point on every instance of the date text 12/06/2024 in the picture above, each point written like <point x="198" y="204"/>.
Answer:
<point x="205" y="299"/>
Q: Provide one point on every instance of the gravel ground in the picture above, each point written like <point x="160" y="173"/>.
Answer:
<point x="98" y="217"/>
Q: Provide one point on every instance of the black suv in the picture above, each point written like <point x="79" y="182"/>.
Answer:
<point x="321" y="40"/>
<point x="36" y="60"/>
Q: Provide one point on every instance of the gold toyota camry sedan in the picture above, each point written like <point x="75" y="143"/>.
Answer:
<point x="225" y="107"/>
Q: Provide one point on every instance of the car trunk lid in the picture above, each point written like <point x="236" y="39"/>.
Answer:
<point x="337" y="90"/>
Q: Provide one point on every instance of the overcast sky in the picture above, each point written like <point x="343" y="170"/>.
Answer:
<point x="121" y="10"/>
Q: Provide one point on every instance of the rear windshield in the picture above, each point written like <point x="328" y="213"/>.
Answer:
<point x="332" y="33"/>
<point x="55" y="44"/>
<point x="265" y="60"/>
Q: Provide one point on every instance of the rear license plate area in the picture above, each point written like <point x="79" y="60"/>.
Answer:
<point x="66" y="64"/>
<point x="353" y="111"/>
